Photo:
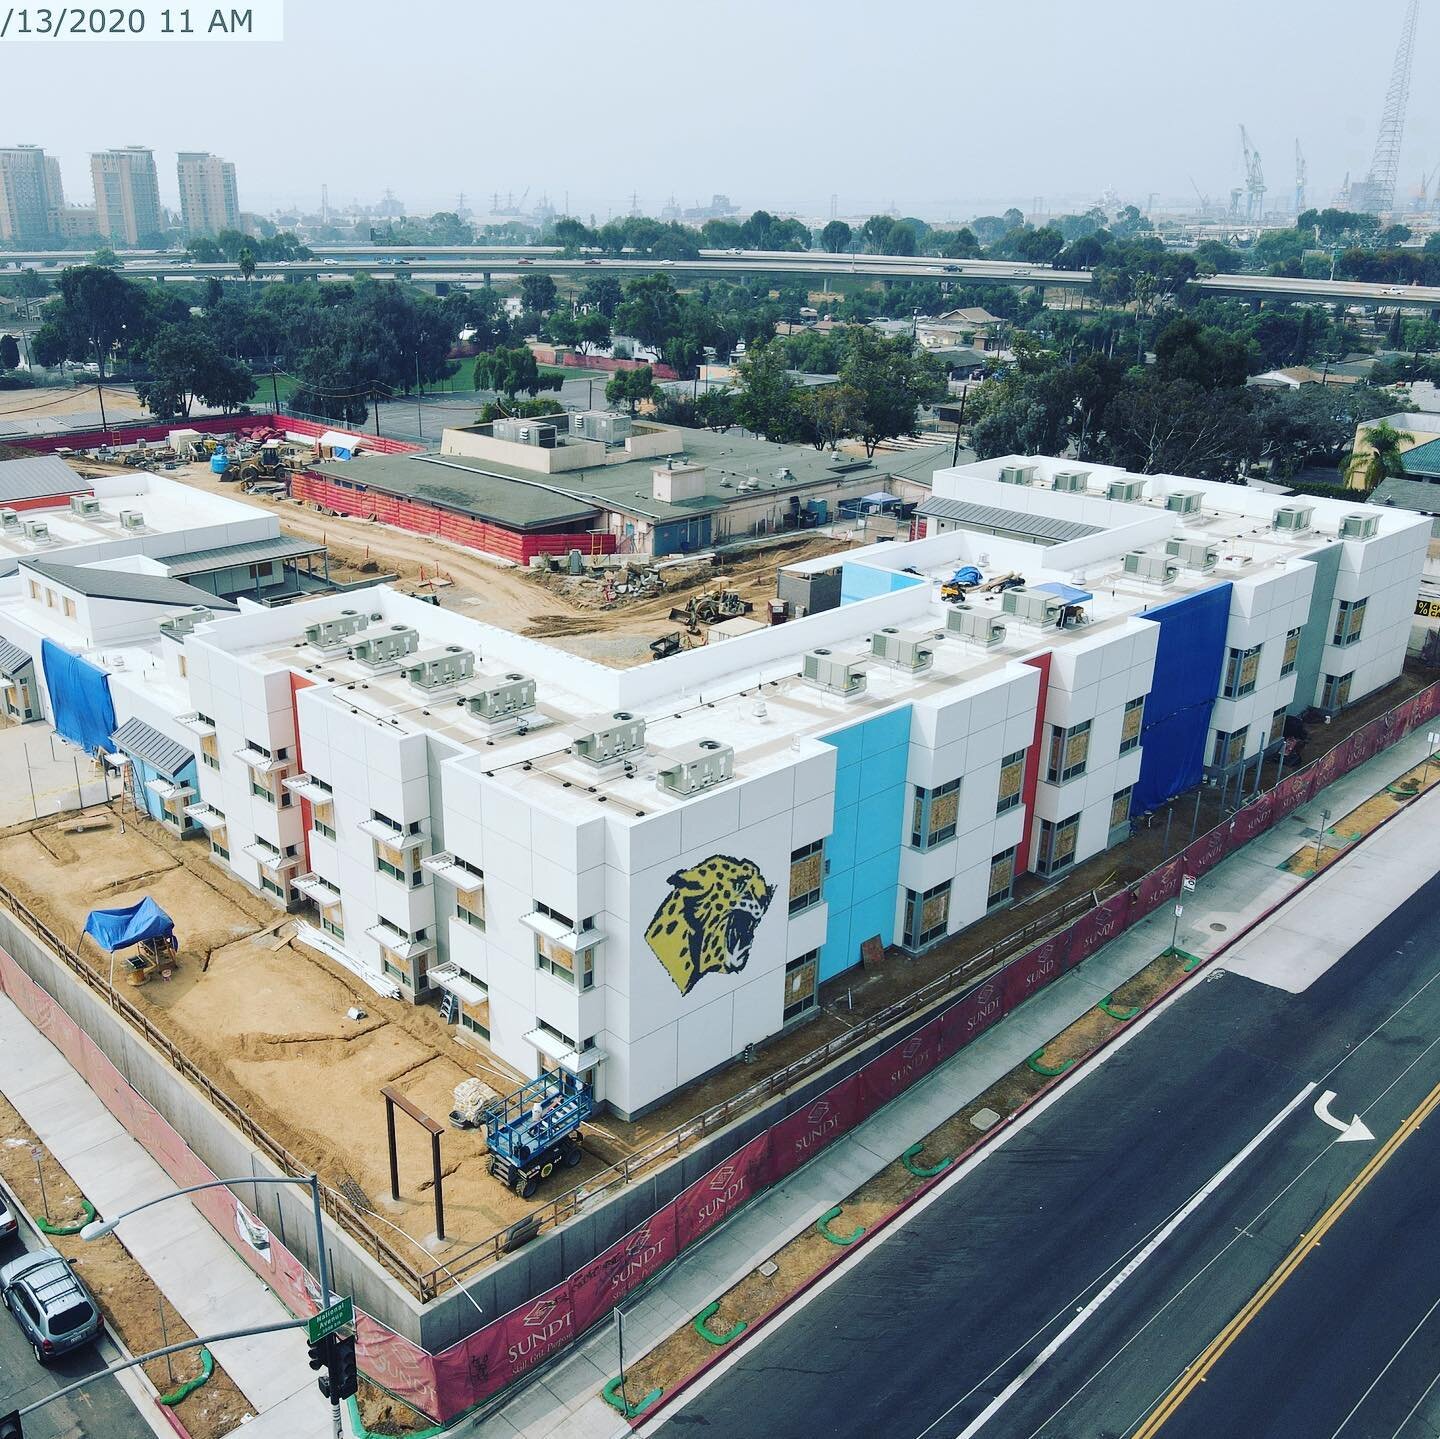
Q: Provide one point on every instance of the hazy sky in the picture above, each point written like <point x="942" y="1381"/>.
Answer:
<point x="939" y="106"/>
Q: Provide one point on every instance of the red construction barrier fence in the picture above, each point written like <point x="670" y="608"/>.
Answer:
<point x="445" y="1385"/>
<point x="131" y="434"/>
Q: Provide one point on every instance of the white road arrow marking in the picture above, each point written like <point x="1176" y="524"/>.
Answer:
<point x="1356" y="1129"/>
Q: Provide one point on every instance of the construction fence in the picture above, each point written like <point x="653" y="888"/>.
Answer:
<point x="446" y="1384"/>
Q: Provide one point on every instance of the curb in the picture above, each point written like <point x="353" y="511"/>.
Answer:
<point x="880" y="1225"/>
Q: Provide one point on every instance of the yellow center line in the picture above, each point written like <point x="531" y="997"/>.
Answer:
<point x="1197" y="1372"/>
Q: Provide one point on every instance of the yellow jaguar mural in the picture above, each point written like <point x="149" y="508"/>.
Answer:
<point x="706" y="924"/>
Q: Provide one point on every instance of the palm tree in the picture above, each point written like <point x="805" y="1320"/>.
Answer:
<point x="1382" y="457"/>
<point x="246" y="261"/>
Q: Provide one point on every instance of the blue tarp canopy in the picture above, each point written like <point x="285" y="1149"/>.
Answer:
<point x="114" y="929"/>
<point x="966" y="575"/>
<point x="79" y="698"/>
<point x="1068" y="593"/>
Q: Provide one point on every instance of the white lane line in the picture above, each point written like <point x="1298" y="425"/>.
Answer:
<point x="1415" y="1408"/>
<point x="1093" y="1307"/>
<point x="1376" y="1380"/>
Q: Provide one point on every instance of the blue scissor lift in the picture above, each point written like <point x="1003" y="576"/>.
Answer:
<point x="536" y="1130"/>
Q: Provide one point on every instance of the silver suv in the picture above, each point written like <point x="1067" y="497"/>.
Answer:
<point x="49" y="1302"/>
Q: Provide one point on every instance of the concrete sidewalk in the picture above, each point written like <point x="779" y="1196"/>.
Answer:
<point x="206" y="1282"/>
<point x="564" y="1401"/>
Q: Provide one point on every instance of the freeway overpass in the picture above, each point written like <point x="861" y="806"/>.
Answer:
<point x="462" y="264"/>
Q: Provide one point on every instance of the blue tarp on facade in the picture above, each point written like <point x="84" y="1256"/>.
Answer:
<point x="114" y="929"/>
<point x="1188" y="661"/>
<point x="79" y="698"/>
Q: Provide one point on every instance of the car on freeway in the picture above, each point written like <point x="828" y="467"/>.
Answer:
<point x="667" y="262"/>
<point x="1394" y="290"/>
<point x="524" y="262"/>
<point x="592" y="262"/>
<point x="952" y="269"/>
<point x="9" y="1225"/>
<point x="50" y="1303"/>
<point x="329" y="262"/>
<point x="737" y="251"/>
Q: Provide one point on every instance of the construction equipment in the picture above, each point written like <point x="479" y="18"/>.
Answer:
<point x="1254" y="181"/>
<point x="267" y="464"/>
<point x="710" y="608"/>
<point x="536" y="1130"/>
<point x="666" y="645"/>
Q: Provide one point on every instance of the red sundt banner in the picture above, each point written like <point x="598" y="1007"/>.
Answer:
<point x="1256" y="816"/>
<point x="1099" y="927"/>
<point x="1290" y="794"/>
<point x="901" y="1065"/>
<point x="501" y="1352"/>
<point x="1207" y="851"/>
<point x="1156" y="887"/>
<point x="802" y="1135"/>
<point x="971" y="1017"/>
<point x="597" y="1288"/>
<point x="1033" y="970"/>
<point x="720" y="1193"/>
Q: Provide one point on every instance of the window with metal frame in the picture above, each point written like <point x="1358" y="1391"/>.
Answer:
<point x="1229" y="747"/>
<point x="1012" y="782"/>
<point x="1336" y="691"/>
<point x="927" y="915"/>
<point x="807" y="876"/>
<point x="1277" y="725"/>
<point x="1291" y="656"/>
<point x="1242" y="670"/>
<point x="1002" y="878"/>
<point x="1120" y="807"/>
<point x="1056" y="850"/>
<point x="802" y="986"/>
<point x="1131" y="723"/>
<point x="1069" y="752"/>
<point x="934" y="814"/>
<point x="1349" y="620"/>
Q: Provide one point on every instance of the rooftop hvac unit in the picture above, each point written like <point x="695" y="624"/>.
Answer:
<point x="178" y="626"/>
<point x="1183" y="502"/>
<point x="86" y="506"/>
<point x="624" y="735"/>
<point x="37" y="531"/>
<point x="502" y="699"/>
<point x="1127" y="490"/>
<point x="1032" y="607"/>
<point x="9" y="522"/>
<point x="440" y="669"/>
<point x="601" y="425"/>
<point x="905" y="649"/>
<point x="1155" y="569"/>
<point x="697" y="767"/>
<point x="1070" y="481"/>
<point x="1193" y="554"/>
<point x="524" y="432"/>
<point x="976" y="627"/>
<point x="335" y="634"/>
<point x="1359" y="527"/>
<point x="384" y="649"/>
<point x="833" y="672"/>
<point x="132" y="520"/>
<point x="1017" y="474"/>
<point x="1295" y="518"/>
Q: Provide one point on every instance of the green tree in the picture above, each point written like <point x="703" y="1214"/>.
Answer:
<point x="1176" y="427"/>
<point x="538" y="293"/>
<point x="1202" y="354"/>
<point x="603" y="293"/>
<point x="835" y="237"/>
<point x="96" y="309"/>
<point x="826" y="414"/>
<point x="632" y="388"/>
<point x="186" y="365"/>
<point x="9" y="353"/>
<point x="651" y="312"/>
<point x="512" y="371"/>
<point x="765" y="400"/>
<point x="204" y="251"/>
<point x="246" y="262"/>
<point x="891" y="378"/>
<point x="715" y="409"/>
<point x="1380" y="458"/>
<point x="106" y="258"/>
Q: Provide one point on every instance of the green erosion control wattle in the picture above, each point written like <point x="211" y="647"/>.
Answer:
<point x="823" y="1225"/>
<point x="703" y="1329"/>
<point x="1122" y="1015"/>
<point x="613" y="1396"/>
<point x="1034" y="1063"/>
<point x="1189" y="961"/>
<point x="207" y="1368"/>
<point x="45" y="1226"/>
<point x="358" y="1429"/>
<point x="920" y="1171"/>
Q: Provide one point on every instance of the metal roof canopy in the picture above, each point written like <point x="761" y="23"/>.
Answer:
<point x="143" y="742"/>
<point x="1043" y="529"/>
<point x="13" y="659"/>
<point x="199" y="562"/>
<point x="96" y="582"/>
<point x="39" y="477"/>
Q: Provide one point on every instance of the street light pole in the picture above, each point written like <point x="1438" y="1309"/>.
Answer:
<point x="98" y="1228"/>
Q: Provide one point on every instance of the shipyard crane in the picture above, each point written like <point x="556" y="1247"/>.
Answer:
<point x="1375" y="194"/>
<point x="1254" y="181"/>
<point x="1301" y="170"/>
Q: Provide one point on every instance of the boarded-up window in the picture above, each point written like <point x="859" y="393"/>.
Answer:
<point x="476" y="1016"/>
<point x="1002" y="877"/>
<point x="1348" y="622"/>
<point x="1120" y="808"/>
<point x="1292" y="650"/>
<point x="1057" y="844"/>
<point x="927" y="915"/>
<point x="935" y="814"/>
<point x="807" y="872"/>
<point x="1229" y="747"/>
<point x="1277" y="725"/>
<point x="1242" y="668"/>
<point x="1012" y="781"/>
<point x="1069" y="752"/>
<point x="324" y="817"/>
<point x="470" y="907"/>
<point x="802" y="982"/>
<point x="1130" y="724"/>
<point x="210" y="751"/>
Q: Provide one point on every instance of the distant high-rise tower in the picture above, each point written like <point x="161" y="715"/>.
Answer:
<point x="209" y="202"/>
<point x="127" y="194"/>
<point x="28" y="210"/>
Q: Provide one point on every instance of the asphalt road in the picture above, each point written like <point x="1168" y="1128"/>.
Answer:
<point x="995" y="1311"/>
<point x="101" y="1410"/>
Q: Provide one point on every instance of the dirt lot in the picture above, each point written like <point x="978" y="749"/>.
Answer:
<point x="566" y="612"/>
<point x="129" y="1299"/>
<point x="40" y="402"/>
